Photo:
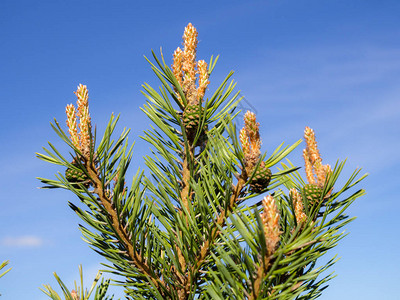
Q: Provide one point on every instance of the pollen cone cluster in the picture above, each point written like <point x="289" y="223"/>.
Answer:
<point x="297" y="201"/>
<point x="75" y="295"/>
<point x="316" y="172"/>
<point x="187" y="71"/>
<point x="251" y="145"/>
<point x="270" y="220"/>
<point x="82" y="139"/>
<point x="250" y="140"/>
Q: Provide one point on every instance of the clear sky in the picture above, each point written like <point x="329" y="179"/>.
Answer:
<point x="331" y="65"/>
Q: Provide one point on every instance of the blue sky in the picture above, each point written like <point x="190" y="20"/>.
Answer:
<point x="331" y="65"/>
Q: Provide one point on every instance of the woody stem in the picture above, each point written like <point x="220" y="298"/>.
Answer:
<point x="119" y="229"/>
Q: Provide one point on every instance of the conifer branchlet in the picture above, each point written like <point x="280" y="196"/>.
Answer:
<point x="251" y="146"/>
<point x="187" y="228"/>
<point x="270" y="219"/>
<point x="316" y="172"/>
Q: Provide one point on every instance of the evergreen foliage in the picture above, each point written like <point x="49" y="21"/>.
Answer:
<point x="192" y="228"/>
<point x="79" y="293"/>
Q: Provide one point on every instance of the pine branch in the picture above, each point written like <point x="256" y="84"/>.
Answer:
<point x="120" y="229"/>
<point x="209" y="243"/>
<point x="190" y="230"/>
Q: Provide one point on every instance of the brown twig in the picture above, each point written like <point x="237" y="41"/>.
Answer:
<point x="120" y="230"/>
<point x="185" y="200"/>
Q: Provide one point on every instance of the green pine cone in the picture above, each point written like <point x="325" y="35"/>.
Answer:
<point x="191" y="116"/>
<point x="261" y="179"/>
<point x="75" y="176"/>
<point x="313" y="194"/>
<point x="191" y="119"/>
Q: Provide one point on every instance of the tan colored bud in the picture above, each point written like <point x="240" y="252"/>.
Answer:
<point x="297" y="200"/>
<point x="251" y="125"/>
<point x="244" y="140"/>
<point x="185" y="69"/>
<point x="312" y="148"/>
<point x="177" y="69"/>
<point x="72" y="125"/>
<point x="83" y="99"/>
<point x="75" y="295"/>
<point x="251" y="128"/>
<point x="202" y="70"/>
<point x="177" y="65"/>
<point x="308" y="167"/>
<point x="84" y="118"/>
<point x="270" y="219"/>
<point x="320" y="173"/>
<point x="316" y="172"/>
<point x="189" y="53"/>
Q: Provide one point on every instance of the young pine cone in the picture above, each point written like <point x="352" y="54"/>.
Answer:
<point x="191" y="120"/>
<point x="313" y="193"/>
<point x="261" y="179"/>
<point x="76" y="176"/>
<point x="191" y="117"/>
